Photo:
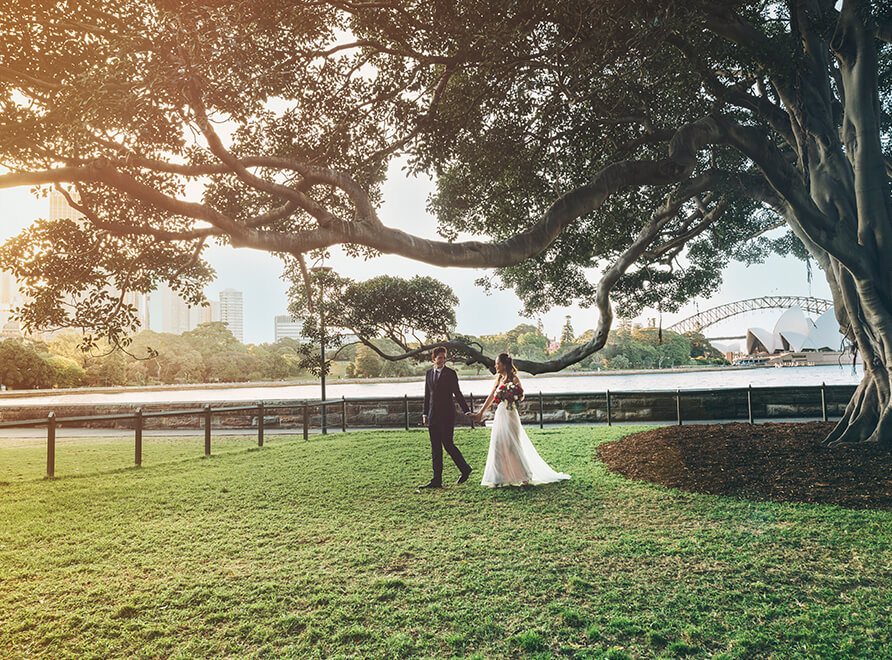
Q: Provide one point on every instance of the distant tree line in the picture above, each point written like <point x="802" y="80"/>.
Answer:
<point x="626" y="348"/>
<point x="211" y="353"/>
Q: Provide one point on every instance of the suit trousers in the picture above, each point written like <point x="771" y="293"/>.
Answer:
<point x="441" y="438"/>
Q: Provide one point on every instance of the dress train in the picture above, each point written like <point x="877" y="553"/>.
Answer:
<point x="512" y="458"/>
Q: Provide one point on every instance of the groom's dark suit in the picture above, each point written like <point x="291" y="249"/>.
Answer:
<point x="440" y="411"/>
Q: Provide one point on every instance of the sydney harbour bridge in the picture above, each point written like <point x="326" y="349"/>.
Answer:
<point x="704" y="319"/>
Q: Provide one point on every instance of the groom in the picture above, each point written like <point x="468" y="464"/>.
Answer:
<point x="440" y="385"/>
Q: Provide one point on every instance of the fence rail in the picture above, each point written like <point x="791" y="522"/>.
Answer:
<point x="607" y="407"/>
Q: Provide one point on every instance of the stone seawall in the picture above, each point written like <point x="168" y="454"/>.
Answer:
<point x="700" y="405"/>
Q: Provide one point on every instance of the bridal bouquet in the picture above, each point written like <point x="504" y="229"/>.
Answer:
<point x="509" y="392"/>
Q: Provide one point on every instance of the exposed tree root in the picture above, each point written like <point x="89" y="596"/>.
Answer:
<point x="867" y="419"/>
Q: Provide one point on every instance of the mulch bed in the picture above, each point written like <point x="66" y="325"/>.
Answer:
<point x="782" y="462"/>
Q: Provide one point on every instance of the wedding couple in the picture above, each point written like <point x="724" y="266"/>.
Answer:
<point x="512" y="459"/>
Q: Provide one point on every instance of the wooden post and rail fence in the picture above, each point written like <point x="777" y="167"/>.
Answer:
<point x="767" y="404"/>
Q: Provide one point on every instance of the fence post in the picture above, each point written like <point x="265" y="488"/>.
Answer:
<point x="51" y="445"/>
<point x="471" y="397"/>
<point x="207" y="429"/>
<point x="406" y="401"/>
<point x="137" y="432"/>
<point x="824" y="401"/>
<point x="749" y="402"/>
<point x="609" y="418"/>
<point x="343" y="414"/>
<point x="306" y="420"/>
<point x="678" y="405"/>
<point x="260" y="413"/>
<point x="541" y="411"/>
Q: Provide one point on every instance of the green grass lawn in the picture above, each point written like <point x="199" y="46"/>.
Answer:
<point x="322" y="549"/>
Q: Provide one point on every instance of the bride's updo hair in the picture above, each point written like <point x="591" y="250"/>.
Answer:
<point x="508" y="363"/>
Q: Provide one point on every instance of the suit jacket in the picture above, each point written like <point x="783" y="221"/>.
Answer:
<point x="438" y="397"/>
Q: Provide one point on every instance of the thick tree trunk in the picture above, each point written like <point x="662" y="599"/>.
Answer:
<point x="867" y="418"/>
<point x="847" y="181"/>
<point x="866" y="321"/>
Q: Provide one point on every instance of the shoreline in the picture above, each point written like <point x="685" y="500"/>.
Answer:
<point x="14" y="394"/>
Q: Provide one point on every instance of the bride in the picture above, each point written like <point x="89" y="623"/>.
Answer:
<point x="512" y="459"/>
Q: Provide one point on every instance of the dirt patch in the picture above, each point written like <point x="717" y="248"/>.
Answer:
<point x="781" y="462"/>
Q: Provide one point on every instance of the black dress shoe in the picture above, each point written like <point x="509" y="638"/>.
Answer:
<point x="464" y="476"/>
<point x="431" y="484"/>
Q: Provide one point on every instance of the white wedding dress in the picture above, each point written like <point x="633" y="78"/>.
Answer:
<point x="512" y="459"/>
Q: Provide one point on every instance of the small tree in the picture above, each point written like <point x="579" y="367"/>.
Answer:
<point x="398" y="369"/>
<point x="21" y="367"/>
<point x="567" y="334"/>
<point x="175" y="361"/>
<point x="670" y="348"/>
<point x="213" y="338"/>
<point x="234" y="367"/>
<point x="68" y="372"/>
<point x="273" y="365"/>
<point x="69" y="344"/>
<point x="367" y="363"/>
<point x="406" y="313"/>
<point x="532" y="346"/>
<point x="109" y="370"/>
<point x="619" y="362"/>
<point x="701" y="349"/>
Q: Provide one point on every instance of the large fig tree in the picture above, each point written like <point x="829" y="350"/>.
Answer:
<point x="654" y="140"/>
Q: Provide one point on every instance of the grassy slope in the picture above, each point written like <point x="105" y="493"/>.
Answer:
<point x="322" y="549"/>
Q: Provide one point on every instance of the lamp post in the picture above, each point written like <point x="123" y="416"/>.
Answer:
<point x="321" y="271"/>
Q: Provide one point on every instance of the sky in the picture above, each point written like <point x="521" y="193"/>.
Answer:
<point x="258" y="275"/>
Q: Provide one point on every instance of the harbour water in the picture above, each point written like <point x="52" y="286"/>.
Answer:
<point x="549" y="384"/>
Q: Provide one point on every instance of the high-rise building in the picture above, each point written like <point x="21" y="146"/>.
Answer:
<point x="199" y="314"/>
<point x="9" y="288"/>
<point x="285" y="326"/>
<point x="232" y="312"/>
<point x="174" y="312"/>
<point x="178" y="317"/>
<point x="10" y="297"/>
<point x="141" y="302"/>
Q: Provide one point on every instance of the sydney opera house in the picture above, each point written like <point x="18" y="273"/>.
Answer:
<point x="795" y="339"/>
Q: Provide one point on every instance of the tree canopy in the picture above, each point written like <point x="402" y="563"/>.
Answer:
<point x="418" y="310"/>
<point x="650" y="140"/>
<point x="21" y="367"/>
